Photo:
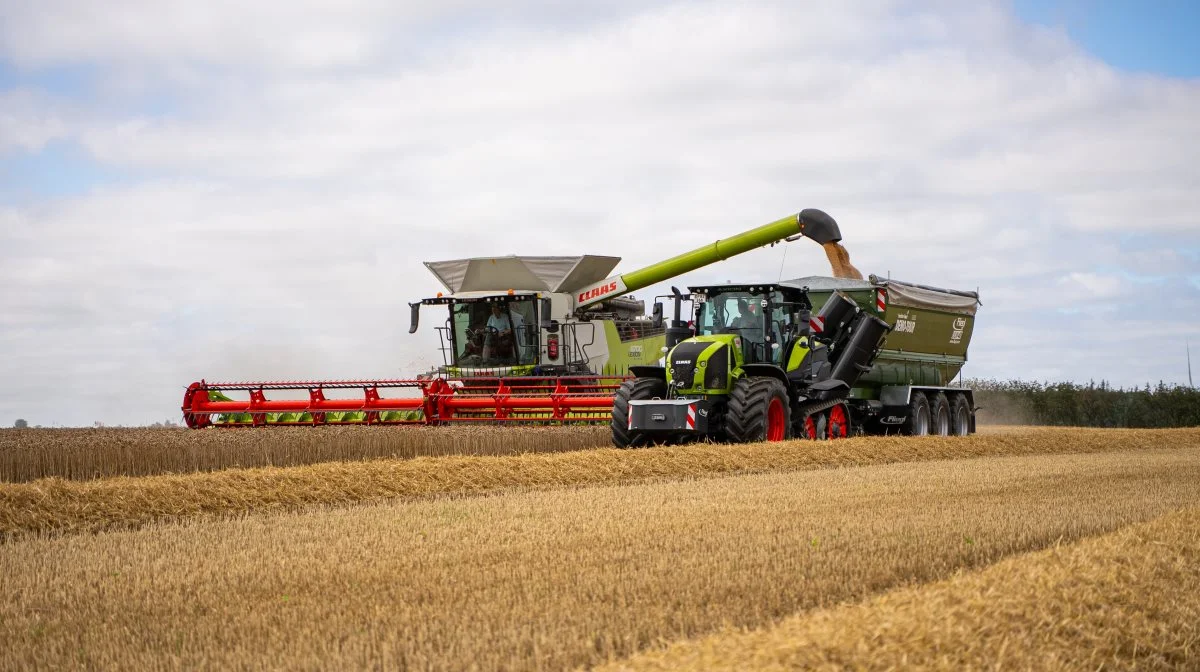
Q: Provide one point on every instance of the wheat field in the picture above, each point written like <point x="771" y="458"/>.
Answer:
<point x="82" y="454"/>
<point x="1123" y="601"/>
<point x="59" y="505"/>
<point x="556" y="577"/>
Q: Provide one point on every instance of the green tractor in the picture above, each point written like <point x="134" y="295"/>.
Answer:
<point x="756" y="364"/>
<point x="755" y="370"/>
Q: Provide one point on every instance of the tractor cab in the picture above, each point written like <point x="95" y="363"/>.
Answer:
<point x="764" y="319"/>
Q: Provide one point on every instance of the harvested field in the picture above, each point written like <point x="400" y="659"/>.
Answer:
<point x="1123" y="601"/>
<point x="555" y="578"/>
<point x="81" y="454"/>
<point x="56" y="505"/>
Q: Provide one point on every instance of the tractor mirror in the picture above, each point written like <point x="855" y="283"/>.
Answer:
<point x="545" y="319"/>
<point x="415" y="316"/>
<point x="657" y="315"/>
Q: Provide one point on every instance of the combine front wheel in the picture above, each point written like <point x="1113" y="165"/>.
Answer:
<point x="638" y="388"/>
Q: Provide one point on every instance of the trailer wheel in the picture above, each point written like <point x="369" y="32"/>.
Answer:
<point x="960" y="415"/>
<point x="638" y="388"/>
<point x="759" y="410"/>
<point x="939" y="415"/>
<point x="918" y="415"/>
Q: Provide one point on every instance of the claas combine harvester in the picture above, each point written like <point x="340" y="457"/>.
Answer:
<point x="525" y="339"/>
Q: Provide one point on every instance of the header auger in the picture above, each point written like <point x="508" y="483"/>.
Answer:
<point x="529" y="339"/>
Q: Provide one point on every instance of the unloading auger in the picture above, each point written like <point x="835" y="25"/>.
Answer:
<point x="527" y="339"/>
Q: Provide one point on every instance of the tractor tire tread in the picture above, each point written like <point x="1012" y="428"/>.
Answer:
<point x="746" y="416"/>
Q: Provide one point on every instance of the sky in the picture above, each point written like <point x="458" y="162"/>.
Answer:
<point x="246" y="190"/>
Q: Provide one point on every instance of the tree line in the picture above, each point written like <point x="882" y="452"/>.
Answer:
<point x="1091" y="405"/>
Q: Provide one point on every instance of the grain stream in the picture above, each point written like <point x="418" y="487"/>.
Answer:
<point x="1123" y="601"/>
<point x="56" y="505"/>
<point x="551" y="579"/>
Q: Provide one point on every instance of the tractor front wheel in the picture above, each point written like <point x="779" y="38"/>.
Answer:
<point x="636" y="389"/>
<point x="759" y="410"/>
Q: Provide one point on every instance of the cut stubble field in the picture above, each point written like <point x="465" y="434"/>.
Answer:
<point x="576" y="572"/>
<point x="58" y="505"/>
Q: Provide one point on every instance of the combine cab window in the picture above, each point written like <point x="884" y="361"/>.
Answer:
<point x="495" y="333"/>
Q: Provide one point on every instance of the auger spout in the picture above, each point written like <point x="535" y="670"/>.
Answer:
<point x="809" y="223"/>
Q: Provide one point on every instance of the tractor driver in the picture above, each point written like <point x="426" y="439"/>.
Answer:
<point x="749" y="324"/>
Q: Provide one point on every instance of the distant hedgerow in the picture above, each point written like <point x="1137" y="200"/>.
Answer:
<point x="1091" y="405"/>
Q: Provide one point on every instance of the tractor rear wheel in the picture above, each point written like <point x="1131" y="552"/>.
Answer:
<point x="960" y="415"/>
<point x="939" y="414"/>
<point x="630" y="390"/>
<point x="918" y="415"/>
<point x="759" y="410"/>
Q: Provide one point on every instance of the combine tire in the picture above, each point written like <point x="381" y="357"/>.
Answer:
<point x="918" y="415"/>
<point x="939" y="414"/>
<point x="638" y="388"/>
<point x="759" y="410"/>
<point x="960" y="415"/>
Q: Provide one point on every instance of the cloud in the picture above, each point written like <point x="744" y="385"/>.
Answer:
<point x="294" y="165"/>
<point x="27" y="122"/>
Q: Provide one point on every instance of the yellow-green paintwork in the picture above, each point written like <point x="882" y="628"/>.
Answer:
<point x="735" y="367"/>
<point x="798" y="354"/>
<point x="644" y="351"/>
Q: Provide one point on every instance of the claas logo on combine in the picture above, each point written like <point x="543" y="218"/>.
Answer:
<point x="598" y="291"/>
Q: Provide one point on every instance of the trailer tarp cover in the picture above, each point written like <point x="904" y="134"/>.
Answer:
<point x="899" y="293"/>
<point x="916" y="296"/>
<point x="538" y="274"/>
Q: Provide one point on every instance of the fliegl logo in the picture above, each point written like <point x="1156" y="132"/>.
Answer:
<point x="956" y="334"/>
<point x="595" y="292"/>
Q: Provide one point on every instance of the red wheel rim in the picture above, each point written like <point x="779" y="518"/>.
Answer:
<point x="839" y="424"/>
<point x="810" y="428"/>
<point x="775" y="421"/>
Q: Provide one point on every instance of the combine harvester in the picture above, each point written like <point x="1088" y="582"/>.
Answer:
<point x="528" y="339"/>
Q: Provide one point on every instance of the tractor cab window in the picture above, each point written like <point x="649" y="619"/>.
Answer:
<point x="494" y="333"/>
<point x="744" y="314"/>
